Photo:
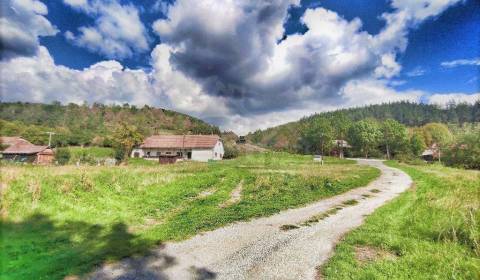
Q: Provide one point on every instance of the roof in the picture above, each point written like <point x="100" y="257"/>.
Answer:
<point x="180" y="141"/>
<point x="342" y="143"/>
<point x="11" y="140"/>
<point x="25" y="148"/>
<point x="47" y="152"/>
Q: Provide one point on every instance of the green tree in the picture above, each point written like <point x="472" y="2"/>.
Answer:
<point x="124" y="138"/>
<point x="395" y="136"/>
<point x="319" y="136"/>
<point x="438" y="134"/>
<point x="365" y="136"/>
<point x="417" y="144"/>
<point x="340" y="124"/>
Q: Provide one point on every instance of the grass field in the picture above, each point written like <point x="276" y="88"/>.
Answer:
<point x="61" y="221"/>
<point x="432" y="231"/>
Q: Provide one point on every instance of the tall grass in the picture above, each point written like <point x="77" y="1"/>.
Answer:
<point x="433" y="229"/>
<point x="60" y="221"/>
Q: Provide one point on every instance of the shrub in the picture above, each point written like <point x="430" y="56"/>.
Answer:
<point x="62" y="155"/>
<point x="465" y="153"/>
<point x="230" y="152"/>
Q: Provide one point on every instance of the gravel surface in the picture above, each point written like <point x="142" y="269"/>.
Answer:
<point x="259" y="249"/>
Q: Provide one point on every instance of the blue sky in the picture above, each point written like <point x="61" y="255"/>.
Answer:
<point x="241" y="64"/>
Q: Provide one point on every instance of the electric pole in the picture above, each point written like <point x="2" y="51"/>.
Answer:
<point x="50" y="138"/>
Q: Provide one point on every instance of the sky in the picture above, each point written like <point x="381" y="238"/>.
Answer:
<point x="240" y="64"/>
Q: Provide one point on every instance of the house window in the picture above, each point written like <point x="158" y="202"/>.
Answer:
<point x="148" y="154"/>
<point x="215" y="154"/>
<point x="168" y="153"/>
<point x="159" y="153"/>
<point x="179" y="154"/>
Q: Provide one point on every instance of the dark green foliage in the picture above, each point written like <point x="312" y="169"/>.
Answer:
<point x="62" y="155"/>
<point x="417" y="144"/>
<point x="286" y="136"/>
<point x="90" y="125"/>
<point x="365" y="136"/>
<point x="465" y="153"/>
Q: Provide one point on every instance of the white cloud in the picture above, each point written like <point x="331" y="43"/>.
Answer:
<point x="461" y="62"/>
<point x="22" y="22"/>
<point x="221" y="61"/>
<point x="118" y="31"/>
<point x="416" y="72"/>
<point x="445" y="98"/>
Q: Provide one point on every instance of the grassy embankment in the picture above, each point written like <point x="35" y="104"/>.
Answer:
<point x="432" y="231"/>
<point x="61" y="221"/>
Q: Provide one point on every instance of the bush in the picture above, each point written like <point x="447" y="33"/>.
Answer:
<point x="62" y="155"/>
<point x="465" y="153"/>
<point x="230" y="152"/>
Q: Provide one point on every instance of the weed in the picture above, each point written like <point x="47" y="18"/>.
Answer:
<point x="350" y="202"/>
<point x="288" y="227"/>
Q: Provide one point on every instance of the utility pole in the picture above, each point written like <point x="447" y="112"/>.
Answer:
<point x="50" y="137"/>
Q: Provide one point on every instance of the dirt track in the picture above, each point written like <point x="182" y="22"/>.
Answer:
<point x="259" y="249"/>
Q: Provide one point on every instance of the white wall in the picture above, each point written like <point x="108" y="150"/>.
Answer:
<point x="202" y="155"/>
<point x="218" y="149"/>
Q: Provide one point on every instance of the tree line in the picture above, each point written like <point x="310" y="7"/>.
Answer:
<point x="94" y="124"/>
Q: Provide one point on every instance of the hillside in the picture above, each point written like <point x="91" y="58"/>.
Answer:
<point x="286" y="137"/>
<point x="84" y="125"/>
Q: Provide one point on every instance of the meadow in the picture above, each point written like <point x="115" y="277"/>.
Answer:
<point x="432" y="231"/>
<point x="61" y="221"/>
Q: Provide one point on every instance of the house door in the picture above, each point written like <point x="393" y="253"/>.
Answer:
<point x="136" y="154"/>
<point x="189" y="155"/>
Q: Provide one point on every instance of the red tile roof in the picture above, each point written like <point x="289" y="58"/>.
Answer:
<point x="11" y="140"/>
<point x="25" y="148"/>
<point x="180" y="141"/>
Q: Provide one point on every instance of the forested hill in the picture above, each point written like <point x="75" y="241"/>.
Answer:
<point x="84" y="125"/>
<point x="286" y="137"/>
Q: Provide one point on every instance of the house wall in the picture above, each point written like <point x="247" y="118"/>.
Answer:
<point x="218" y="150"/>
<point x="215" y="153"/>
<point x="20" y="157"/>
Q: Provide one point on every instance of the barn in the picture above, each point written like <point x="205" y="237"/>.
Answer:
<point x="20" y="150"/>
<point x="170" y="148"/>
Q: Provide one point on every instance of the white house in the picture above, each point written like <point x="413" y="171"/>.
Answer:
<point x="169" y="148"/>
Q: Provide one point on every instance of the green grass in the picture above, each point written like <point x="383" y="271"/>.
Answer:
<point x="61" y="221"/>
<point x="96" y="152"/>
<point x="433" y="229"/>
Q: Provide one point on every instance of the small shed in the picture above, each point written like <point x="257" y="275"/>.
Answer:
<point x="28" y="153"/>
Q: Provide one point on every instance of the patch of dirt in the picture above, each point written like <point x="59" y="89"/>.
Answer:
<point x="366" y="254"/>
<point x="235" y="196"/>
<point x="375" y="190"/>
<point x="206" y="193"/>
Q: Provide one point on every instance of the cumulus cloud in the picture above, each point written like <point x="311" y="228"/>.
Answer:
<point x="44" y="81"/>
<point x="228" y="61"/>
<point x="445" y="98"/>
<point x="461" y="62"/>
<point x="118" y="31"/>
<point x="22" y="22"/>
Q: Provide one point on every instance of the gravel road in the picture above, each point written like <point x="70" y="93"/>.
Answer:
<point x="259" y="249"/>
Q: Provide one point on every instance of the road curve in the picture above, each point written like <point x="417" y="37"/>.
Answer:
<point x="259" y="249"/>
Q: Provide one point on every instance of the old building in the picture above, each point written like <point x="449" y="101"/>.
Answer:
<point x="170" y="148"/>
<point x="20" y="150"/>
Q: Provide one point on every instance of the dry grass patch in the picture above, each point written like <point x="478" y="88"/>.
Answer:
<point x="368" y="254"/>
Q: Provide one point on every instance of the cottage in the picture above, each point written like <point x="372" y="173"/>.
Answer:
<point x="432" y="153"/>
<point x="170" y="148"/>
<point x="339" y="147"/>
<point x="21" y="150"/>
